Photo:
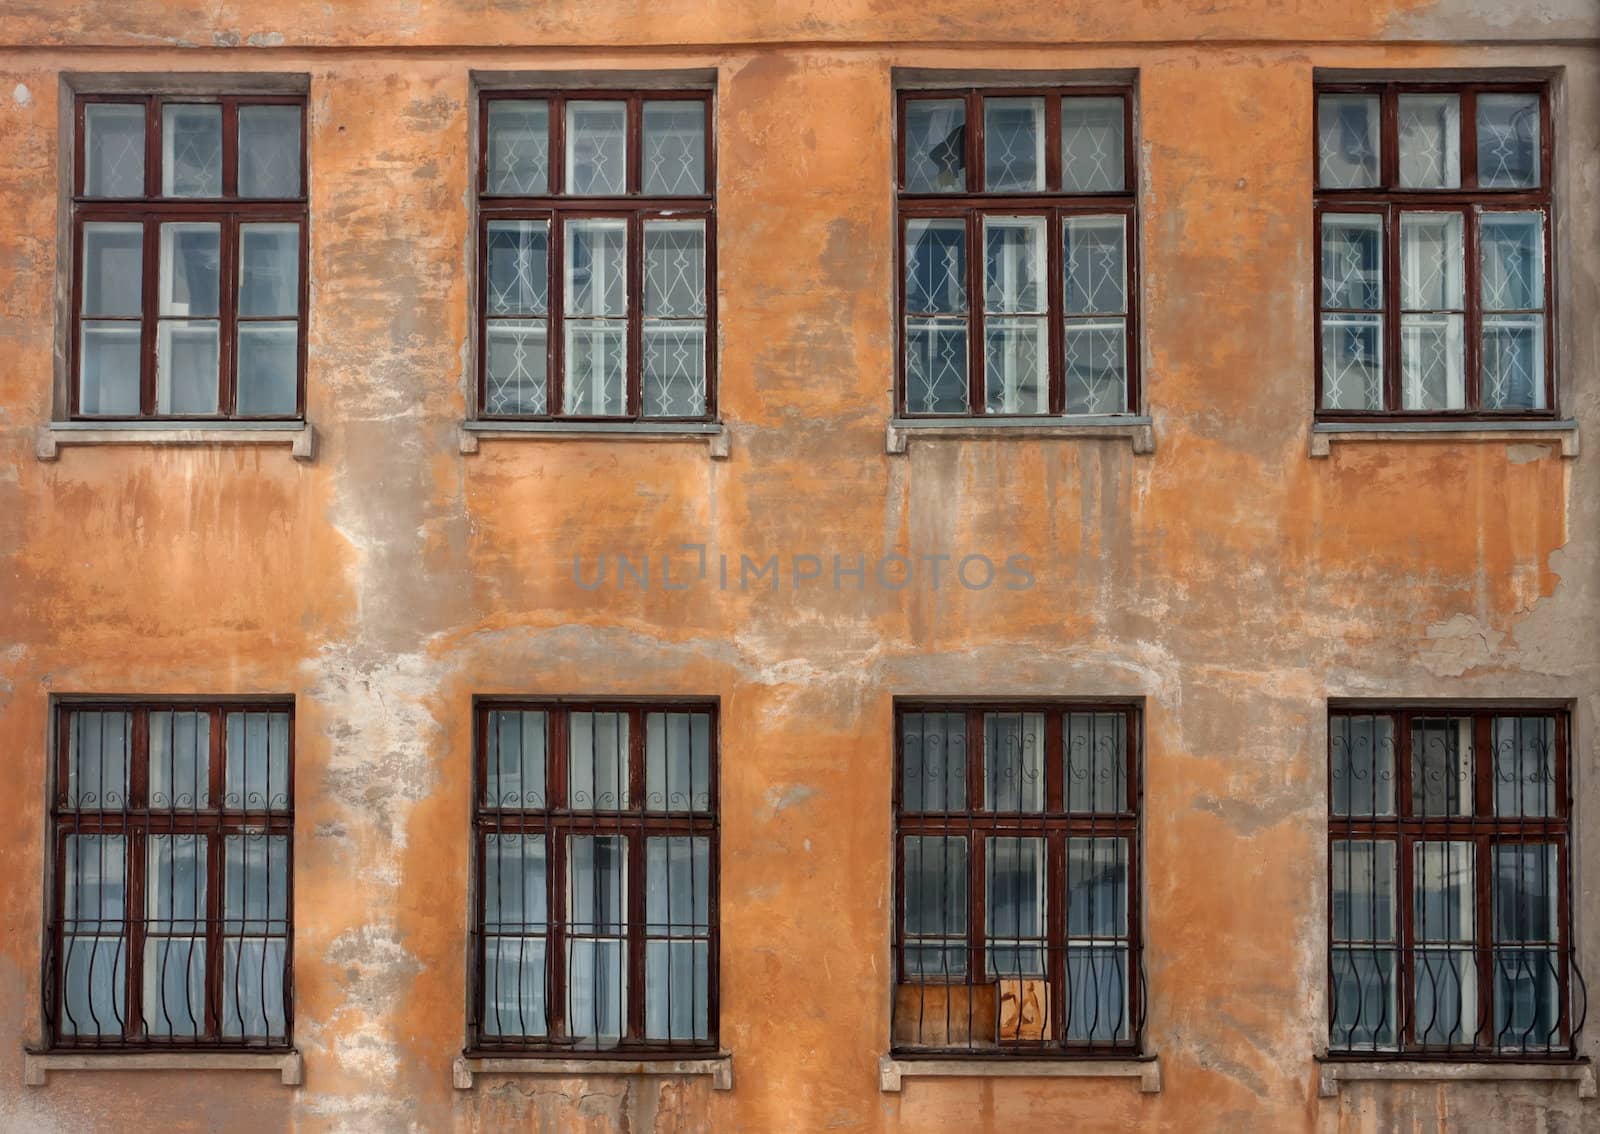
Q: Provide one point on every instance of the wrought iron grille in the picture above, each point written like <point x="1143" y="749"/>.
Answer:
<point x="595" y="845"/>
<point x="1017" y="926"/>
<point x="1449" y="899"/>
<point x="171" y="901"/>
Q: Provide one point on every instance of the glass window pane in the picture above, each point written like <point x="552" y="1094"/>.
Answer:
<point x="597" y="761"/>
<point x="936" y="139"/>
<point x="191" y="263"/>
<point x="1527" y="999"/>
<point x="1347" y="141"/>
<point x="1441" y="767"/>
<point x="269" y="151"/>
<point x="935" y="914"/>
<point x="933" y="755"/>
<point x="1525" y="766"/>
<point x="936" y="266"/>
<point x="1352" y="362"/>
<point x="191" y="150"/>
<point x="1511" y="261"/>
<point x="1362" y="753"/>
<point x="1446" y="995"/>
<point x="674" y="379"/>
<point x="1092" y="145"/>
<point x="255" y="891"/>
<point x="113" y="149"/>
<point x="1365" y="998"/>
<point x="180" y="760"/>
<point x="1013" y="144"/>
<point x="256" y="762"/>
<point x="1097" y="762"/>
<point x="596" y="150"/>
<point x="1508" y="141"/>
<point x="675" y="269"/>
<point x="1014" y="906"/>
<point x="596" y="367"/>
<point x="113" y="268"/>
<point x="99" y="755"/>
<point x="1430" y="141"/>
<point x="253" y="997"/>
<point x="175" y="884"/>
<point x="94" y="974"/>
<point x="1442" y="881"/>
<point x="1013" y="761"/>
<point x="1352" y="261"/>
<point x="513" y="987"/>
<point x="1097" y="993"/>
<point x="269" y="269"/>
<point x="1527" y="897"/>
<point x="519" y="147"/>
<point x="108" y="382"/>
<point x="1513" y="362"/>
<point x="514" y="885"/>
<point x="94" y="890"/>
<point x="269" y="369"/>
<point x="174" y="985"/>
<point x="517" y="274"/>
<point x="597" y="992"/>
<point x="1097" y="887"/>
<point x="1016" y="357"/>
<point x="515" y="742"/>
<point x="596" y="267"/>
<point x="516" y="366"/>
<point x="677" y="761"/>
<point x="678" y="886"/>
<point x="674" y="141"/>
<point x="1014" y="267"/>
<point x="597" y="884"/>
<point x="677" y="989"/>
<point x="1095" y="264"/>
<point x="1432" y="374"/>
<point x="1363" y="879"/>
<point x="186" y="366"/>
<point x="1431" y="261"/>
<point x="1096" y="356"/>
<point x="936" y="365"/>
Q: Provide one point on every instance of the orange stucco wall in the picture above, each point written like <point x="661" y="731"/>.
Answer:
<point x="1228" y="579"/>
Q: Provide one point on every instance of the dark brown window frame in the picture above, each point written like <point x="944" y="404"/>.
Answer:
<point x="1389" y="200"/>
<point x="136" y="821"/>
<point x="633" y="207"/>
<point x="1485" y="830"/>
<point x="557" y="822"/>
<point x="150" y="210"/>
<point x="1055" y="824"/>
<point x="1052" y="202"/>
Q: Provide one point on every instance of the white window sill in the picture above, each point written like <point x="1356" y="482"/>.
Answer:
<point x="1561" y="433"/>
<point x="37" y="1066"/>
<point x="300" y="438"/>
<point x="713" y="433"/>
<point x="1333" y="1072"/>
<point x="719" y="1067"/>
<point x="892" y="1069"/>
<point x="1098" y="427"/>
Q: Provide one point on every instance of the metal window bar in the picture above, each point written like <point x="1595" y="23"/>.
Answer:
<point x="1449" y="897"/>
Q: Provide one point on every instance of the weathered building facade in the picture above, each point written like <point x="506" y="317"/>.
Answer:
<point x="1225" y="575"/>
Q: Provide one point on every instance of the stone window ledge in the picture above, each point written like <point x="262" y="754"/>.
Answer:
<point x="1098" y="427"/>
<point x="300" y="438"/>
<point x="713" y="433"/>
<point x="1561" y="433"/>
<point x="719" y="1067"/>
<point x="38" y="1065"/>
<point x="892" y="1069"/>
<point x="1332" y="1072"/>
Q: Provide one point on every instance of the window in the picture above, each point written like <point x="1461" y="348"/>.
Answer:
<point x="1016" y="885"/>
<point x="596" y="256"/>
<point x="1434" y="258"/>
<point x="1042" y="321"/>
<point x="1450" y="909"/>
<point x="595" y="830"/>
<point x="189" y="284"/>
<point x="171" y="901"/>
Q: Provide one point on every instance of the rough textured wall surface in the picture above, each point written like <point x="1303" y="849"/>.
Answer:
<point x="1227" y="579"/>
